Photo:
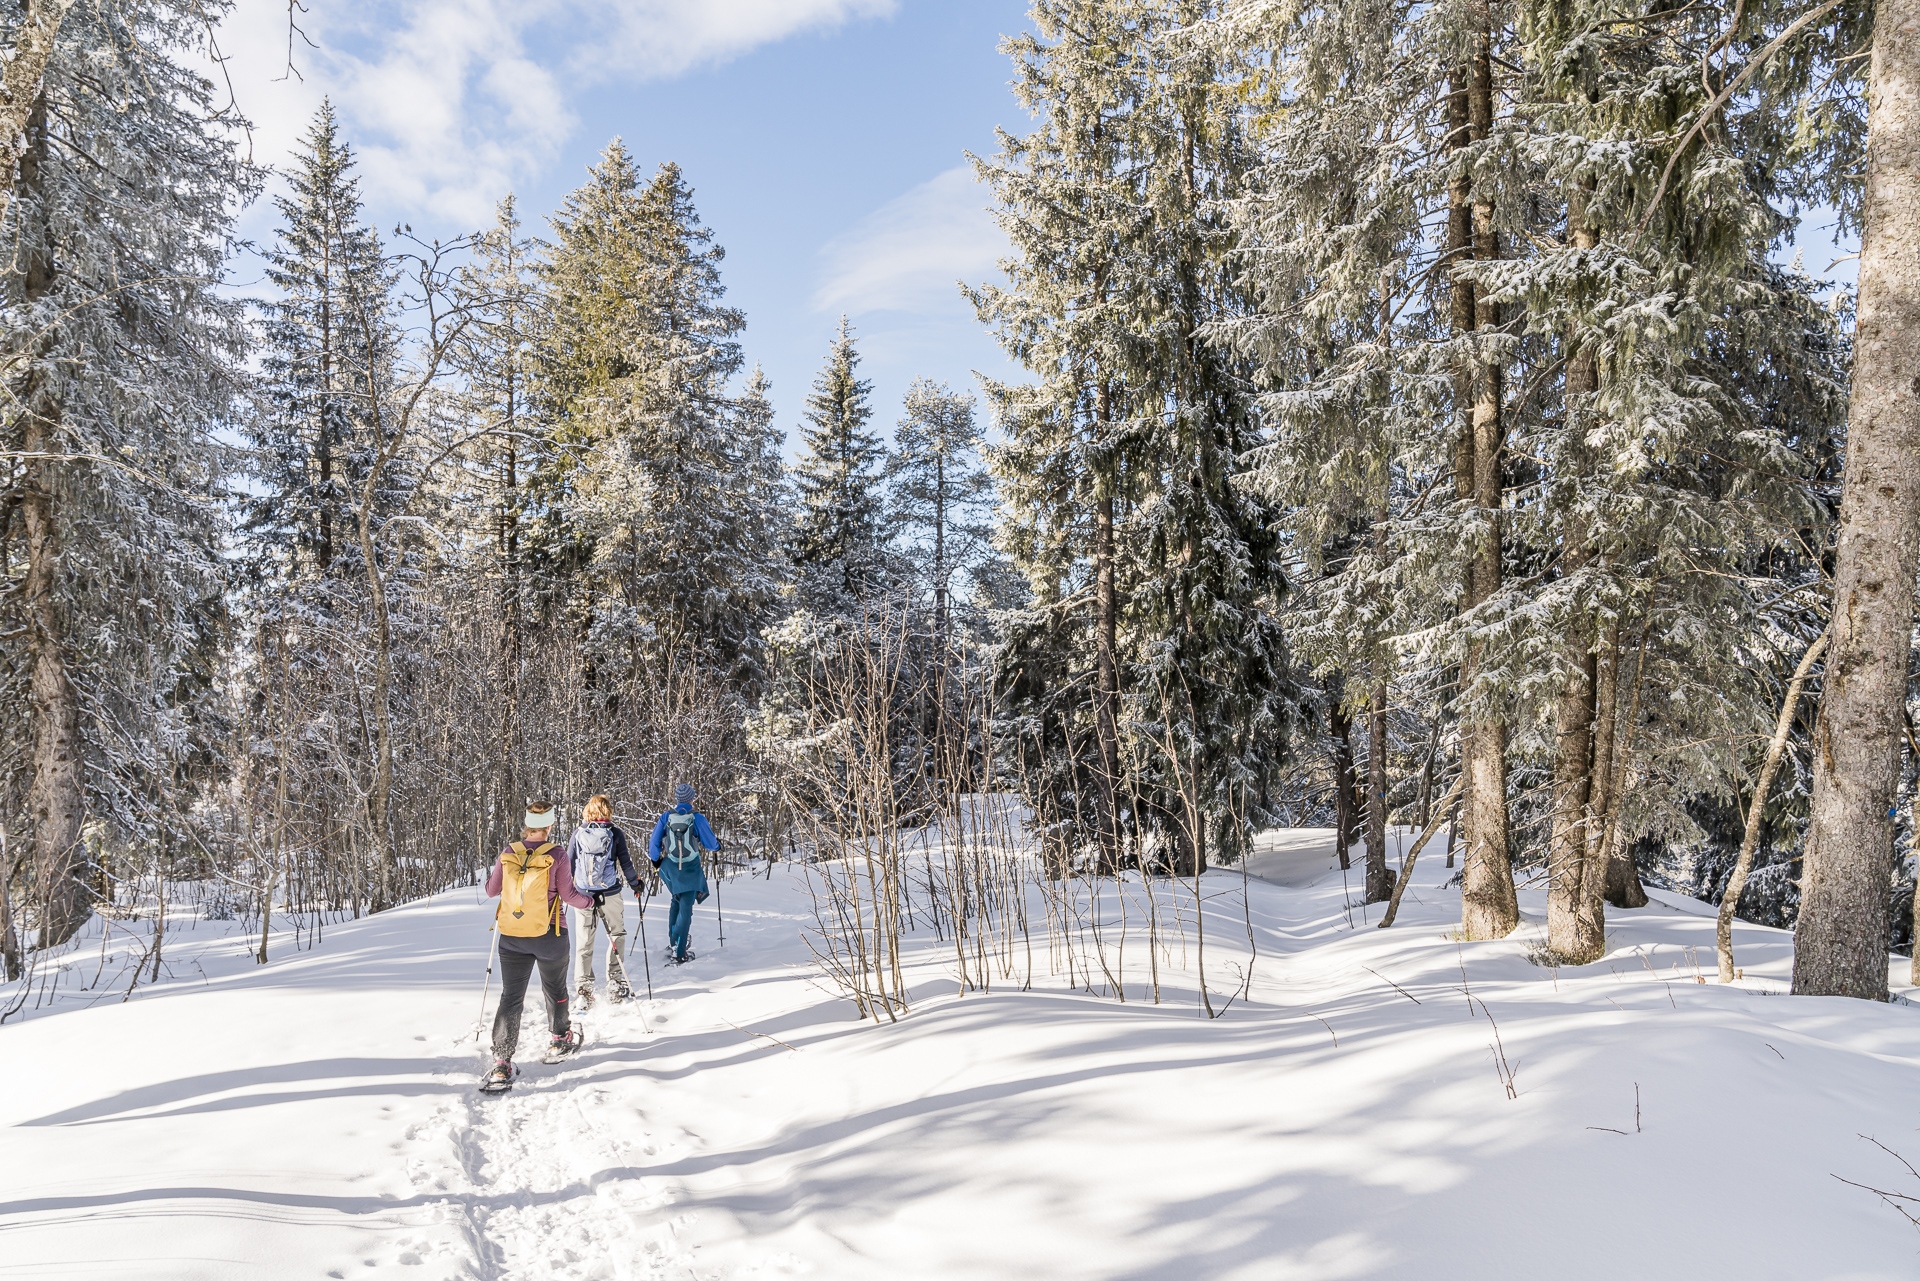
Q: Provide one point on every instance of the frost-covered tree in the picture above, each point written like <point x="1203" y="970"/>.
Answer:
<point x="1575" y="422"/>
<point x="1125" y="452"/>
<point x="121" y="360"/>
<point x="938" y="487"/>
<point x="330" y="347"/>
<point x="654" y="479"/>
<point x="839" y="532"/>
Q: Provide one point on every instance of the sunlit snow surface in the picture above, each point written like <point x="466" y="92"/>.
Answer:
<point x="315" y="1117"/>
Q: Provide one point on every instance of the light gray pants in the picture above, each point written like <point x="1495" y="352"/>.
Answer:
<point x="585" y="926"/>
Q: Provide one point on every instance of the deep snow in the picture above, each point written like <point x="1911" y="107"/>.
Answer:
<point x="315" y="1117"/>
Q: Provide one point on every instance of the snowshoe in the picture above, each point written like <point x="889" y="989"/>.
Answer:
<point x="583" y="999"/>
<point x="500" y="1079"/>
<point x="619" y="993"/>
<point x="564" y="1046"/>
<point x="682" y="958"/>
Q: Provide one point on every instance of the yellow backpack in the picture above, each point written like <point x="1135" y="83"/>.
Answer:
<point x="523" y="891"/>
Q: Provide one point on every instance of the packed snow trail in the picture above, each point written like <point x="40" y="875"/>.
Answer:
<point x="317" y="1117"/>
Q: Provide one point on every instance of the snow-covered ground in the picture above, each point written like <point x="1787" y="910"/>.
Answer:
<point x="315" y="1117"/>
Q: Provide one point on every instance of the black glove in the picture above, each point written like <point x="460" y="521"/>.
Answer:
<point x="599" y="899"/>
<point x="701" y="897"/>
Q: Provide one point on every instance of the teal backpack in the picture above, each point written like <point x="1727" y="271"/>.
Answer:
<point x="679" y="843"/>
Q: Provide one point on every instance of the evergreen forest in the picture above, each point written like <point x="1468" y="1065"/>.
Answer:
<point x="1427" y="419"/>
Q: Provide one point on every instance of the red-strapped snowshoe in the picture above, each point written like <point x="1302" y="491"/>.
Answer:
<point x="565" y="1046"/>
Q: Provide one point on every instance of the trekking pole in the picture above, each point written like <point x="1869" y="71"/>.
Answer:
<point x="493" y="947"/>
<point x="646" y="953"/>
<point x="716" y="909"/>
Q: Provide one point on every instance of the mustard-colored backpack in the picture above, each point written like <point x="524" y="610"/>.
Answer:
<point x="524" y="912"/>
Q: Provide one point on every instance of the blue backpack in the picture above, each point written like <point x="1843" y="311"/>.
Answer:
<point x="679" y="843"/>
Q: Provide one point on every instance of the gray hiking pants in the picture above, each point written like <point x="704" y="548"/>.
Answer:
<point x="585" y="925"/>
<point x="518" y="957"/>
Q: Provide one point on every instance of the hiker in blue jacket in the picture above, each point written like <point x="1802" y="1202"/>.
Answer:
<point x="675" y="848"/>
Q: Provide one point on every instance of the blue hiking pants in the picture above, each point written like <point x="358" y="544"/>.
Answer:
<point x="680" y="922"/>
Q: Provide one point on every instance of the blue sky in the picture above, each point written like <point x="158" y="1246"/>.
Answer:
<point x="824" y="140"/>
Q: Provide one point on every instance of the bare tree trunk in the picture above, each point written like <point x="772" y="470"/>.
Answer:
<point x="21" y="84"/>
<point x="1573" y="758"/>
<point x="1343" y="783"/>
<point x="1750" y="841"/>
<point x="506" y="799"/>
<point x="1489" y="907"/>
<point x="1460" y="309"/>
<point x="1379" y="880"/>
<point x="1107" y="674"/>
<point x="1840" y="943"/>
<point x="10" y="959"/>
<point x="56" y="795"/>
<point x="380" y="796"/>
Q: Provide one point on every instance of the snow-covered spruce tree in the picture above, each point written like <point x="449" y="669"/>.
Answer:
<point x="839" y="532"/>
<point x="1120" y="264"/>
<point x="939" y="492"/>
<point x="652" y="473"/>
<point x="1334" y="245"/>
<point x="121" y="360"/>
<point x="940" y="498"/>
<point x="330" y="347"/>
<point x="1067" y="476"/>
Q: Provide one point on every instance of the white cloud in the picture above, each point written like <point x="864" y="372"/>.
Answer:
<point x="451" y="103"/>
<point x="908" y="254"/>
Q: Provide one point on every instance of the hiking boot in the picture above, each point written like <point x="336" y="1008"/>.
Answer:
<point x="500" y="1078"/>
<point x="619" y="992"/>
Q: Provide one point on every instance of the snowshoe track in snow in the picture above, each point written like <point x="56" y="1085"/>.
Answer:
<point x="541" y="1183"/>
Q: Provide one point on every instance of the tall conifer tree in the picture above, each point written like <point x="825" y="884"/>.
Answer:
<point x="840" y="530"/>
<point x="121" y="359"/>
<point x="330" y="352"/>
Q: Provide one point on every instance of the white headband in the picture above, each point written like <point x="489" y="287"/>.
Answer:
<point x="543" y="818"/>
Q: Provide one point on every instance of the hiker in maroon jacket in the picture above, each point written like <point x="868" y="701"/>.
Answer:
<point x="533" y="934"/>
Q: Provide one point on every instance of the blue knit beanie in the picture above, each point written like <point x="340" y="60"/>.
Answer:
<point x="683" y="794"/>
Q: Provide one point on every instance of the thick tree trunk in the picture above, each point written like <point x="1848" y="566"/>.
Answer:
<point x="56" y="793"/>
<point x="56" y="796"/>
<point x="1489" y="907"/>
<point x="1840" y="943"/>
<point x="1573" y="758"/>
<point x="21" y="84"/>
<point x="1572" y="779"/>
